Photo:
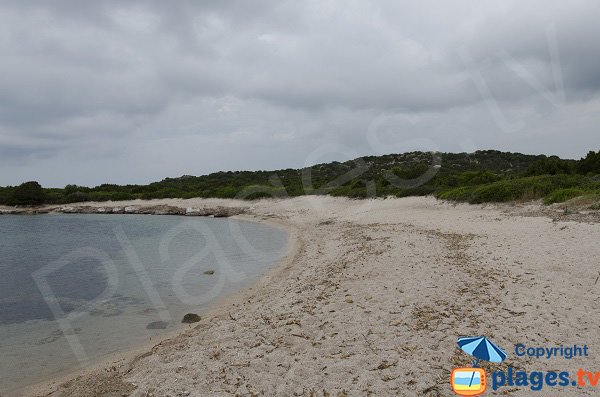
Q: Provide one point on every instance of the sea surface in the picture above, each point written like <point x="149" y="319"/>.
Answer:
<point x="75" y="288"/>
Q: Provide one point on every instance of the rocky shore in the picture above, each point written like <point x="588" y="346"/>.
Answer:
<point x="216" y="212"/>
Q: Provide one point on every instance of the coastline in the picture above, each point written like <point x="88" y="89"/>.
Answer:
<point x="126" y="358"/>
<point x="133" y="209"/>
<point x="371" y="301"/>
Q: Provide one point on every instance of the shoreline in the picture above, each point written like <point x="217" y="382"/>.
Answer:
<point x="372" y="300"/>
<point x="126" y="358"/>
<point x="572" y="210"/>
<point x="134" y="209"/>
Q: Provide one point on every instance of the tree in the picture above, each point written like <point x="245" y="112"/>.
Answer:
<point x="552" y="165"/>
<point x="28" y="193"/>
<point x="71" y="189"/>
<point x="591" y="163"/>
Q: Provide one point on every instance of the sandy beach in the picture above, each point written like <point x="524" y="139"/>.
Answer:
<point x="370" y="299"/>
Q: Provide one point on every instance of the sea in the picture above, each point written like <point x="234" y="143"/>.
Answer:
<point x="78" y="287"/>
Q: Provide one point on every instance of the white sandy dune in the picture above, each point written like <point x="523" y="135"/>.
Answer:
<point x="370" y="301"/>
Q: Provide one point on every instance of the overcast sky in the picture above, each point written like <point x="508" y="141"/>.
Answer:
<point x="132" y="92"/>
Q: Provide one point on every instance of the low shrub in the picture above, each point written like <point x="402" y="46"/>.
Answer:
<point x="562" y="195"/>
<point x="528" y="188"/>
<point x="463" y="193"/>
<point x="471" y="178"/>
<point x="416" y="191"/>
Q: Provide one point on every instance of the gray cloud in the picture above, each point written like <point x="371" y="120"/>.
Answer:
<point x="94" y="92"/>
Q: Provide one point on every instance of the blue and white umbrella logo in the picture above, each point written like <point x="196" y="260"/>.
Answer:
<point x="481" y="348"/>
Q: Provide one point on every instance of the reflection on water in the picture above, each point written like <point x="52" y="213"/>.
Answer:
<point x="113" y="281"/>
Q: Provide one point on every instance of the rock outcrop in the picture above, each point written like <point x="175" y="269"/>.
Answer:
<point x="216" y="212"/>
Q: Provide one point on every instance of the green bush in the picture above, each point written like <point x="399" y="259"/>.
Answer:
<point x="122" y="196"/>
<point x="416" y="191"/>
<point x="497" y="192"/>
<point x="28" y="193"/>
<point x="100" y="196"/>
<point x="552" y="165"/>
<point x="72" y="189"/>
<point x="589" y="164"/>
<point x="5" y="195"/>
<point x="470" y="178"/>
<point x="225" y="192"/>
<point x="528" y="188"/>
<point x="54" y="196"/>
<point x="562" y="195"/>
<point x="411" y="171"/>
<point x="76" y="197"/>
<point x="463" y="193"/>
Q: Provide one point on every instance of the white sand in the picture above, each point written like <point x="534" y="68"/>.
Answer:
<point x="371" y="299"/>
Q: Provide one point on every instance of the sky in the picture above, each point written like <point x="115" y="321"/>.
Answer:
<point x="132" y="92"/>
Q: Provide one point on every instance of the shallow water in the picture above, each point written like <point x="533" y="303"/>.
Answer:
<point x="74" y="288"/>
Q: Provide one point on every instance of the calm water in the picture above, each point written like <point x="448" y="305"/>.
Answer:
<point x="76" y="287"/>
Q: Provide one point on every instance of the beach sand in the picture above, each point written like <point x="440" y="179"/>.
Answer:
<point x="370" y="301"/>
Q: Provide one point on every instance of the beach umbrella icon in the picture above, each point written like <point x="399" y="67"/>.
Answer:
<point x="481" y="348"/>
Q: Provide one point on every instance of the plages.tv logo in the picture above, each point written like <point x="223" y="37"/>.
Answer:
<point x="471" y="381"/>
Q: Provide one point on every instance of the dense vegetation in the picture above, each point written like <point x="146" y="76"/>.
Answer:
<point x="483" y="176"/>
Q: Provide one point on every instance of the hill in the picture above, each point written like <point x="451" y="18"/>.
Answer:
<point x="481" y="176"/>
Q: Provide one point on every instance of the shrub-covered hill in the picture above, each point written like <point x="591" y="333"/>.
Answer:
<point x="476" y="177"/>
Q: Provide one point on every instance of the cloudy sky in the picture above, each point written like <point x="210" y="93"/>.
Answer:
<point x="135" y="91"/>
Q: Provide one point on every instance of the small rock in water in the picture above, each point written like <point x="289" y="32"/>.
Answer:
<point x="191" y="318"/>
<point x="209" y="272"/>
<point x="157" y="325"/>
